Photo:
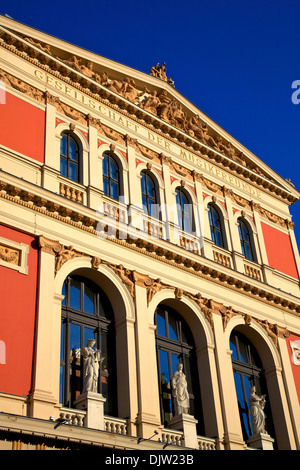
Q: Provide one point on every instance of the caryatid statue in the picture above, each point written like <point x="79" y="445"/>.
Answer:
<point x="257" y="405"/>
<point x="91" y="361"/>
<point x="180" y="392"/>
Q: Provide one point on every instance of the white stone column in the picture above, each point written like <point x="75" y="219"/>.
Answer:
<point x="45" y="392"/>
<point x="127" y="376"/>
<point x="148" y="419"/>
<point x="233" y="437"/>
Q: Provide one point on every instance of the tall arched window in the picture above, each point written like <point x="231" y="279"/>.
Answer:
<point x="111" y="176"/>
<point x="70" y="157"/>
<point x="248" y="372"/>
<point x="215" y="226"/>
<point x="149" y="195"/>
<point x="184" y="211"/>
<point x="246" y="240"/>
<point x="86" y="314"/>
<point x="175" y="344"/>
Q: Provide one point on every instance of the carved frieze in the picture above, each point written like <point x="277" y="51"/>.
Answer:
<point x="9" y="255"/>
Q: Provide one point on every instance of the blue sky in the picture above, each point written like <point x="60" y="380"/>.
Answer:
<point x="235" y="60"/>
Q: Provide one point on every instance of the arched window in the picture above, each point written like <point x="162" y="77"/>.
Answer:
<point x="184" y="211"/>
<point x="70" y="157"/>
<point x="215" y="226"/>
<point x="246" y="240"/>
<point x="149" y="195"/>
<point x="175" y="344"/>
<point x="111" y="176"/>
<point x="248" y="372"/>
<point x="86" y="314"/>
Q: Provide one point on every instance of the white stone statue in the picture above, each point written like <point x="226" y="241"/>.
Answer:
<point x="91" y="360"/>
<point x="257" y="405"/>
<point x="180" y="391"/>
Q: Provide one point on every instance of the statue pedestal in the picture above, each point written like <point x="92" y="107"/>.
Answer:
<point x="187" y="424"/>
<point x="261" y="441"/>
<point x="93" y="404"/>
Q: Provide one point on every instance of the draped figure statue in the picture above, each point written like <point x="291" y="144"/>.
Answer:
<point x="91" y="360"/>
<point x="180" y="391"/>
<point x="257" y="404"/>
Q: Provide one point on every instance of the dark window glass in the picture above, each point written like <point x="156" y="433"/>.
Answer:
<point x="149" y="196"/>
<point x="111" y="179"/>
<point x="175" y="345"/>
<point x="69" y="158"/>
<point x="215" y="226"/>
<point x="245" y="238"/>
<point x="248" y="372"/>
<point x="86" y="314"/>
<point x="184" y="211"/>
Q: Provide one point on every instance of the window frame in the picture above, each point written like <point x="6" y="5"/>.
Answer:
<point x="111" y="157"/>
<point x="213" y="228"/>
<point x="78" y="162"/>
<point x="101" y="325"/>
<point x="244" y="243"/>
<point x="181" y="213"/>
<point x="186" y="354"/>
<point x="147" y="197"/>
<point x="250" y="369"/>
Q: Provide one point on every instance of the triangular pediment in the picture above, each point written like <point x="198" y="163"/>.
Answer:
<point x="153" y="98"/>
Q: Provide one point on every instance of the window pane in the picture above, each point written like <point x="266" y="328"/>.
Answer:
<point x="161" y="324"/>
<point x="172" y="328"/>
<point x="218" y="238"/>
<point x="114" y="174"/>
<point x="62" y="341"/>
<point x="234" y="350"/>
<point x="106" y="186"/>
<point x="63" y="167"/>
<point x="165" y="386"/>
<point x="64" y="146"/>
<point x="61" y="381"/>
<point x="75" y="294"/>
<point x="74" y="337"/>
<point x="143" y="183"/>
<point x="150" y="188"/>
<point x="105" y="166"/>
<point x="89" y="333"/>
<point x="114" y="190"/>
<point x="89" y="306"/>
<point x="104" y="351"/>
<point x="73" y="154"/>
<point x="63" y="292"/>
<point x="174" y="361"/>
<point x="73" y="173"/>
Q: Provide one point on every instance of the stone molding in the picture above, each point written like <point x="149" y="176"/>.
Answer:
<point x="37" y="57"/>
<point x="131" y="278"/>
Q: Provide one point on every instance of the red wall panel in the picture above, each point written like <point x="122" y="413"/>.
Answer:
<point x="279" y="251"/>
<point x="293" y="343"/>
<point x="22" y="127"/>
<point x="17" y="319"/>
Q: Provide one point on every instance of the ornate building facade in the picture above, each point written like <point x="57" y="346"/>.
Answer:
<point x="149" y="267"/>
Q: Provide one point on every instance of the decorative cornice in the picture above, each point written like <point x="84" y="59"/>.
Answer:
<point x="130" y="278"/>
<point x="37" y="57"/>
<point x="147" y="248"/>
